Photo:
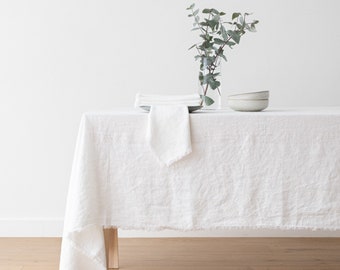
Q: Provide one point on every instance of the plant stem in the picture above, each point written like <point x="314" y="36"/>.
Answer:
<point x="205" y="90"/>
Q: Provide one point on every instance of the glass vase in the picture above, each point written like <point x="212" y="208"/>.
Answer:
<point x="210" y="83"/>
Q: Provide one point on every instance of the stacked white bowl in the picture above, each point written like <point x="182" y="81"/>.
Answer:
<point x="249" y="102"/>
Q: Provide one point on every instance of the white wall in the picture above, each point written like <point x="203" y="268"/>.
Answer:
<point x="61" y="58"/>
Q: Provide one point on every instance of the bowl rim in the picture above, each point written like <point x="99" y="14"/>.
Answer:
<point x="259" y="92"/>
<point x="261" y="99"/>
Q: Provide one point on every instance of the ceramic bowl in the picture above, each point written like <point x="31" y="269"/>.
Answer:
<point x="248" y="105"/>
<point x="252" y="95"/>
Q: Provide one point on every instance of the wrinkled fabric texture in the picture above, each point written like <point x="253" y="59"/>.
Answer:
<point x="274" y="169"/>
<point x="168" y="133"/>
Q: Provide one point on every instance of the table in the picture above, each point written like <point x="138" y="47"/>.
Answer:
<point x="274" y="169"/>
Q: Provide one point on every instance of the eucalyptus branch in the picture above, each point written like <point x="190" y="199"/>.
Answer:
<point x="215" y="36"/>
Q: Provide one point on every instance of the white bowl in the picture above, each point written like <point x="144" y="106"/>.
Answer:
<point x="252" y="95"/>
<point x="248" y="105"/>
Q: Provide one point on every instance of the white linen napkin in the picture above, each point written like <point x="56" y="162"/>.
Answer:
<point x="148" y="100"/>
<point x="168" y="132"/>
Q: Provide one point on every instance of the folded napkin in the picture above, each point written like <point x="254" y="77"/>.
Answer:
<point x="149" y="100"/>
<point x="168" y="132"/>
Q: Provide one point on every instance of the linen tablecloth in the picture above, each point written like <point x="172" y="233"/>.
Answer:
<point x="273" y="169"/>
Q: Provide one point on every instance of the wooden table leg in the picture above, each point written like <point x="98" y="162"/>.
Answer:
<point x="111" y="248"/>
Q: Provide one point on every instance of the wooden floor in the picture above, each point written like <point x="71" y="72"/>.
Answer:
<point x="187" y="253"/>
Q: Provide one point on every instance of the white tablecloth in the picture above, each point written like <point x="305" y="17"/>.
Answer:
<point x="274" y="169"/>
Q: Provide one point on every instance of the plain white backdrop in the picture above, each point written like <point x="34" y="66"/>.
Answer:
<point x="59" y="59"/>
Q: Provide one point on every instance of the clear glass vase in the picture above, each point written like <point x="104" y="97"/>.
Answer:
<point x="210" y="84"/>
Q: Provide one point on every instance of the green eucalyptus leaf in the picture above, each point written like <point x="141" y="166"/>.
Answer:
<point x="218" y="41"/>
<point x="192" y="47"/>
<point x="200" y="77"/>
<point x="235" y="15"/>
<point x="230" y="44"/>
<point x="211" y="24"/>
<point x="208" y="78"/>
<point x="214" y="84"/>
<point x="224" y="33"/>
<point x="222" y="13"/>
<point x="191" y="7"/>
<point x="196" y="12"/>
<point x="206" y="45"/>
<point x="224" y="57"/>
<point x="206" y="10"/>
<point x="216" y="18"/>
<point x="207" y="100"/>
<point x="197" y="57"/>
<point x="239" y="26"/>
<point x="252" y="28"/>
<point x="214" y="11"/>
<point x="201" y="65"/>
<point x="234" y="36"/>
<point x="204" y="36"/>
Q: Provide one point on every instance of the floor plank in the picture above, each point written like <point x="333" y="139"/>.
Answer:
<point x="187" y="253"/>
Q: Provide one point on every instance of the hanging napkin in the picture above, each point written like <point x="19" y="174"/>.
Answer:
<point x="168" y="132"/>
<point x="148" y="100"/>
